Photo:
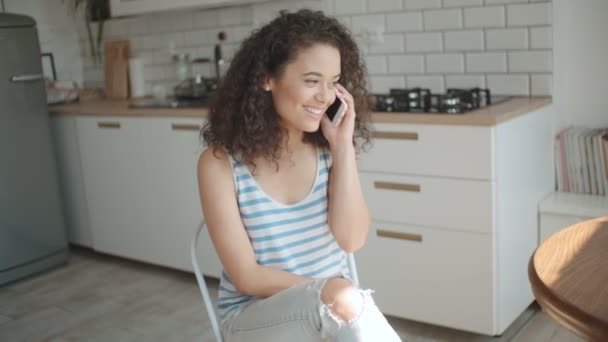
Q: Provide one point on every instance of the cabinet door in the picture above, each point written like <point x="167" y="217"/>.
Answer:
<point x="430" y="275"/>
<point x="116" y="185"/>
<point x="173" y="150"/>
<point x="67" y="150"/>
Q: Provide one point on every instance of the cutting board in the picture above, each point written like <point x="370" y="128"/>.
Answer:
<point x="117" y="53"/>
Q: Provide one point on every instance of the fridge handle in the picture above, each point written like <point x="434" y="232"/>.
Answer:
<point x="26" y="78"/>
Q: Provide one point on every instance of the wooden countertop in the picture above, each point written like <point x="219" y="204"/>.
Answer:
<point x="489" y="116"/>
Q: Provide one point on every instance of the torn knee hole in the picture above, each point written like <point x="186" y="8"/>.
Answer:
<point x="343" y="301"/>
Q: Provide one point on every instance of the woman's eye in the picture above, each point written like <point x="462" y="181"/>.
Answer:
<point x="311" y="81"/>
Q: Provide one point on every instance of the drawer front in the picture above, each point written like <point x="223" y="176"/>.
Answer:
<point x="430" y="275"/>
<point x="434" y="150"/>
<point x="436" y="202"/>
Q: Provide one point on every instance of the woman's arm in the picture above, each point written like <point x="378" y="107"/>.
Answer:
<point x="220" y="208"/>
<point x="348" y="214"/>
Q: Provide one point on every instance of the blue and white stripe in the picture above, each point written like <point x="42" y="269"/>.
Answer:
<point x="295" y="238"/>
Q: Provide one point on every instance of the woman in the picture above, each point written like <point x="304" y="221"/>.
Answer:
<point x="280" y="190"/>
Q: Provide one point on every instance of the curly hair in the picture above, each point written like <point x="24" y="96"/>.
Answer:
<point x="242" y="118"/>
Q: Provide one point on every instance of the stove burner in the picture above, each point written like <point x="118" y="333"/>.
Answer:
<point x="454" y="101"/>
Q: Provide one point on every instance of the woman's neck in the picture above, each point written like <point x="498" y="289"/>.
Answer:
<point x="294" y="140"/>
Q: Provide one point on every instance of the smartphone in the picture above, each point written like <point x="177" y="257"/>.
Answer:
<point x="336" y="111"/>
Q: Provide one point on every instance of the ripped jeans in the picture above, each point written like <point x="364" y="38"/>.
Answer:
<point x="297" y="314"/>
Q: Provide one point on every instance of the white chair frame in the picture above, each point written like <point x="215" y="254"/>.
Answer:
<point x="205" y="292"/>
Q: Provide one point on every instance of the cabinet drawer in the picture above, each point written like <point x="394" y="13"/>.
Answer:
<point x="430" y="275"/>
<point x="437" y="202"/>
<point x="435" y="150"/>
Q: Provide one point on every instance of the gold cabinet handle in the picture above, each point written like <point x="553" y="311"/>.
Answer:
<point x="109" y="125"/>
<point x="398" y="235"/>
<point x="185" y="127"/>
<point x="397" y="186"/>
<point x="396" y="135"/>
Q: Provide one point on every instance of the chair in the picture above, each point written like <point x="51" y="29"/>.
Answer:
<point x="205" y="292"/>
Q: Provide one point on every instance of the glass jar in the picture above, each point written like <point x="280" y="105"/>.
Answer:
<point x="182" y="66"/>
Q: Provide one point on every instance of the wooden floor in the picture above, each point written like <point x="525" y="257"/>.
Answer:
<point x="102" y="298"/>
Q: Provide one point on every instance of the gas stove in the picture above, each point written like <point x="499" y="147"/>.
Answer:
<point x="421" y="100"/>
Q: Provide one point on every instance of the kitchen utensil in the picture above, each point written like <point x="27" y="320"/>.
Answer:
<point x="117" y="55"/>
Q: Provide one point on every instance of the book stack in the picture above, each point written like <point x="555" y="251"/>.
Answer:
<point x="581" y="160"/>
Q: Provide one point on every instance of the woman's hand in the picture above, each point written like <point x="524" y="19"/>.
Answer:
<point x="341" y="135"/>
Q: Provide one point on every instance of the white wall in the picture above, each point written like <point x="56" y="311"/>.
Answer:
<point x="581" y="62"/>
<point x="57" y="33"/>
<point x="504" y="45"/>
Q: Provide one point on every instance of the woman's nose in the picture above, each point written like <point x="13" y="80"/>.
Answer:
<point x="326" y="95"/>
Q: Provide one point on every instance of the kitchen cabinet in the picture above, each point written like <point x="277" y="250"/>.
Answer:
<point x="454" y="219"/>
<point x="67" y="152"/>
<point x="131" y="7"/>
<point x="141" y="189"/>
<point x="175" y="147"/>
<point x="117" y="181"/>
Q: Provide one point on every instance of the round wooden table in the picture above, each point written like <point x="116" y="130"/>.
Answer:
<point x="569" y="277"/>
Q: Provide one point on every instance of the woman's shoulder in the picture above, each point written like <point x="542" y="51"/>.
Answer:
<point x="214" y="160"/>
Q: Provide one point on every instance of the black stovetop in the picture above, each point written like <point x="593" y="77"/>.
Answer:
<point x="421" y="100"/>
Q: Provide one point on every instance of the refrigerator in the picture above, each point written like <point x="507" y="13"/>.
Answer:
<point x="32" y="225"/>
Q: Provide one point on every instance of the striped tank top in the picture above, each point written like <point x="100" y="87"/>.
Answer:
<point x="295" y="238"/>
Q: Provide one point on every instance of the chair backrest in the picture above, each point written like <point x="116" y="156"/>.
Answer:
<point x="202" y="285"/>
<point x="205" y="292"/>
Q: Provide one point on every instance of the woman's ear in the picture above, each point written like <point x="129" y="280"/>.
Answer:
<point x="267" y="85"/>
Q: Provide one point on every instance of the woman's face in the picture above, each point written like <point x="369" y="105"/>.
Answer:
<point x="306" y="88"/>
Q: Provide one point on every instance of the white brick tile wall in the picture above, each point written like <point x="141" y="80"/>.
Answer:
<point x="346" y="21"/>
<point x="503" y="39"/>
<point x="529" y="14"/>
<point x="403" y="22"/>
<point x="422" y="4"/>
<point x="393" y="43"/>
<point x="240" y="15"/>
<point x="382" y="84"/>
<point x="406" y="64"/>
<point x="505" y="45"/>
<point x="465" y="81"/>
<point x="157" y="24"/>
<point x="530" y="61"/>
<point x="434" y="83"/>
<point x="384" y="5"/>
<point x="118" y="27"/>
<point x="541" y="37"/>
<point x="462" y="3"/>
<point x="138" y="25"/>
<point x="486" y="62"/>
<point x="509" y="84"/>
<point x="423" y="42"/>
<point x="443" y="19"/>
<point x="469" y="40"/>
<point x="204" y="19"/>
<point x="350" y="6"/>
<point x="362" y="23"/>
<point x="376" y="64"/>
<point x="238" y="33"/>
<point x="494" y="2"/>
<point x="489" y="16"/>
<point x="445" y="63"/>
<point x="541" y="84"/>
<point x="185" y="21"/>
